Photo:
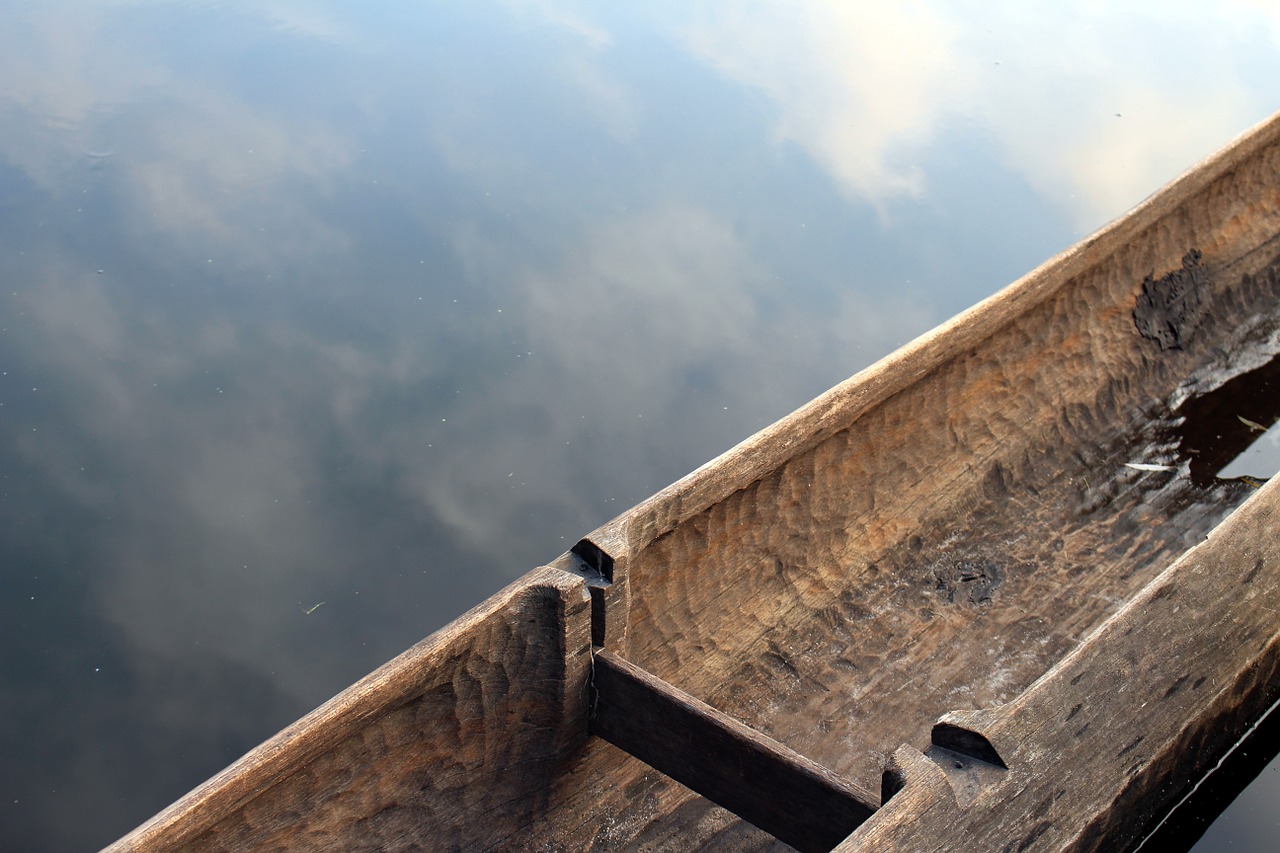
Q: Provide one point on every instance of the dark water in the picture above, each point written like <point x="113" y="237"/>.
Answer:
<point x="320" y="323"/>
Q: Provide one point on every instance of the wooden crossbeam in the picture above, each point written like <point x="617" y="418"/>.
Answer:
<point x="752" y="775"/>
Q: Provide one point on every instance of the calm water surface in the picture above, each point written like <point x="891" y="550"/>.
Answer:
<point x="318" y="323"/>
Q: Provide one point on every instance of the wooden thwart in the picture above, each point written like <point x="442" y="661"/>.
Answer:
<point x="731" y="764"/>
<point x="1021" y="513"/>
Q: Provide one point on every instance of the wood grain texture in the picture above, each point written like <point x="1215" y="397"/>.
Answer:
<point x="943" y="529"/>
<point x="955" y="527"/>
<point x="1208" y="205"/>
<point x="755" y="777"/>
<point x="454" y="745"/>
<point x="1106" y="738"/>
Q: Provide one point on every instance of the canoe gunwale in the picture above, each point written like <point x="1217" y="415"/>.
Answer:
<point x="842" y="405"/>
<point x="485" y="660"/>
<point x="1069" y="752"/>
<point x="390" y="687"/>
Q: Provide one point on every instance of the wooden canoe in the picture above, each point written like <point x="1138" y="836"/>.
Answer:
<point x="987" y="594"/>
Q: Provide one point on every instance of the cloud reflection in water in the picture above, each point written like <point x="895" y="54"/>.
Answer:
<point x="383" y="309"/>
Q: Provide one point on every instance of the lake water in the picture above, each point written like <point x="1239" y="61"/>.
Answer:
<point x="322" y="322"/>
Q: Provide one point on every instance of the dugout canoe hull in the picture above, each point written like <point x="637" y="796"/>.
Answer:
<point x="937" y="608"/>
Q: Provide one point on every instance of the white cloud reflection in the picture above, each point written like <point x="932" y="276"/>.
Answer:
<point x="256" y="447"/>
<point x="560" y="15"/>
<point x="629" y="343"/>
<point x="1136" y="95"/>
<point x="643" y="316"/>
<point x="854" y="84"/>
<point x="866" y="87"/>
<point x="79" y="103"/>
<point x="212" y="539"/>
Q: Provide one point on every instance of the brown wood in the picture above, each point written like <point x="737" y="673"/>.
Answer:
<point x="754" y="776"/>
<point x="957" y="527"/>
<point x="1139" y="711"/>
<point x="477" y="719"/>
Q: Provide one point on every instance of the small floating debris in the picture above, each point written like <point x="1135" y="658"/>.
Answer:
<point x="312" y="609"/>
<point x="1147" y="466"/>
<point x="1253" y="425"/>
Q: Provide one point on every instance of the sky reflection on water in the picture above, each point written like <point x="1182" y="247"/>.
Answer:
<point x="382" y="308"/>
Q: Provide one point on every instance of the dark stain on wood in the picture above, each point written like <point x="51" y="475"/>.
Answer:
<point x="968" y="580"/>
<point x="1176" y="686"/>
<point x="1169" y="308"/>
<point x="955" y="528"/>
<point x="1031" y="838"/>
<point x="1130" y="746"/>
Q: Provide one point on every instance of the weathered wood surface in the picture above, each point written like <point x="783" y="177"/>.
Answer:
<point x="951" y="528"/>
<point x="453" y="745"/>
<point x="755" y="777"/>
<point x="1136" y="713"/>
<point x="971" y="522"/>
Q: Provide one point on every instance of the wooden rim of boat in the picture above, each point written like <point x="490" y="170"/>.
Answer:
<point x="978" y="596"/>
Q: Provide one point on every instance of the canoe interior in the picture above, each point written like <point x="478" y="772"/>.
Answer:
<point x="938" y="534"/>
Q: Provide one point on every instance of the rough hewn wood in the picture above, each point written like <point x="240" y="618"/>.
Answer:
<point x="955" y="527"/>
<point x="755" y="777"/>
<point x="1228" y="201"/>
<point x="972" y="521"/>
<point x="1188" y="818"/>
<point x="454" y="745"/>
<point x="1125" y="722"/>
